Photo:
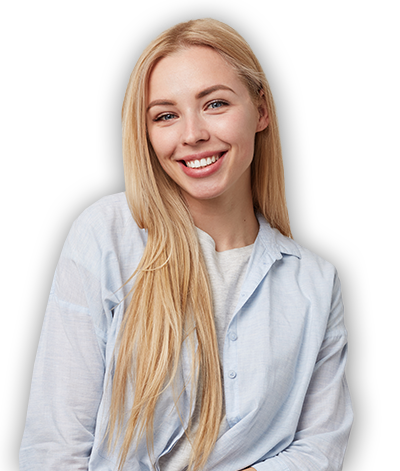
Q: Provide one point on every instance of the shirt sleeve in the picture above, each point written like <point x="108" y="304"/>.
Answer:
<point x="326" y="418"/>
<point x="69" y="369"/>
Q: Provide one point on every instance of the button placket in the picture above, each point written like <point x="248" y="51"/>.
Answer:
<point x="231" y="372"/>
<point x="232" y="337"/>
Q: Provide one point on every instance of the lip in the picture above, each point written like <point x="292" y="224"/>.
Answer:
<point x="205" y="171"/>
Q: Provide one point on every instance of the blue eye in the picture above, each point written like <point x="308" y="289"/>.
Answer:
<point x="165" y="117"/>
<point x="217" y="104"/>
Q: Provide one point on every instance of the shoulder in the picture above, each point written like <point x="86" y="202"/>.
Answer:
<point x="297" y="262"/>
<point x="109" y="209"/>
<point x="106" y="216"/>
<point x="104" y="228"/>
<point x="278" y="244"/>
<point x="311" y="261"/>
<point x="312" y="268"/>
<point x="318" y="281"/>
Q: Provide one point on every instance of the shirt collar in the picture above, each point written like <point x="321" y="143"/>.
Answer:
<point x="274" y="242"/>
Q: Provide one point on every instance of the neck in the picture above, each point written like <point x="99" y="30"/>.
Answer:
<point x="232" y="224"/>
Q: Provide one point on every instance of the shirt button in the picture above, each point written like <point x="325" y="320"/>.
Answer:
<point x="232" y="336"/>
<point x="232" y="374"/>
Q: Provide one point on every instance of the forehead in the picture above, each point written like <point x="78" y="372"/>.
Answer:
<point x="191" y="70"/>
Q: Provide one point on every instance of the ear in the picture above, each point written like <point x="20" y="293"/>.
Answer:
<point x="263" y="117"/>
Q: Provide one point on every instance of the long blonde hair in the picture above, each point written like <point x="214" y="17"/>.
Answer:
<point x="171" y="297"/>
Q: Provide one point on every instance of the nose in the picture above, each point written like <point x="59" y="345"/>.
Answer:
<point x="195" y="130"/>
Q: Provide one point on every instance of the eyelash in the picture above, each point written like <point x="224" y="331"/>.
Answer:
<point x="221" y="103"/>
<point x="161" y="117"/>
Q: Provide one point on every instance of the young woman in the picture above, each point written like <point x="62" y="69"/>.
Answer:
<point x="185" y="328"/>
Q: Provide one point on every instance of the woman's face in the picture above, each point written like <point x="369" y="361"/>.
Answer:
<point x="202" y="123"/>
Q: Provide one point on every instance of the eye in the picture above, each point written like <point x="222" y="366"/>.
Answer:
<point x="217" y="104"/>
<point x="165" y="117"/>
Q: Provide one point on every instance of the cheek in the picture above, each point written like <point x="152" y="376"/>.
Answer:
<point x="239" y="130"/>
<point x="161" y="143"/>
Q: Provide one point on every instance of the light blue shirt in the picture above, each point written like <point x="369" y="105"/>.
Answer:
<point x="286" y="397"/>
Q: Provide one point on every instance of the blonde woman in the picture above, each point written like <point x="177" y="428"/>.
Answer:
<point x="185" y="328"/>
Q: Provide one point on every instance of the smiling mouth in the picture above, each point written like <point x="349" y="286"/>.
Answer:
<point x="205" y="162"/>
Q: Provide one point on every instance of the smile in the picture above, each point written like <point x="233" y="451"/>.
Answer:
<point x="202" y="162"/>
<point x="205" y="162"/>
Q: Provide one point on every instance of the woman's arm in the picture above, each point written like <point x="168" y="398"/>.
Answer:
<point x="68" y="375"/>
<point x="326" y="417"/>
<point x="65" y="393"/>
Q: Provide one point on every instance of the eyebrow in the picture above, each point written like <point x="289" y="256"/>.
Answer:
<point x="214" y="88"/>
<point x="161" y="103"/>
<point x="201" y="94"/>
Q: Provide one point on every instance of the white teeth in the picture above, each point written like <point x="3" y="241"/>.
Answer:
<point x="203" y="162"/>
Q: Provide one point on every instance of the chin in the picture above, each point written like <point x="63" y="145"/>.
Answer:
<point x="203" y="193"/>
